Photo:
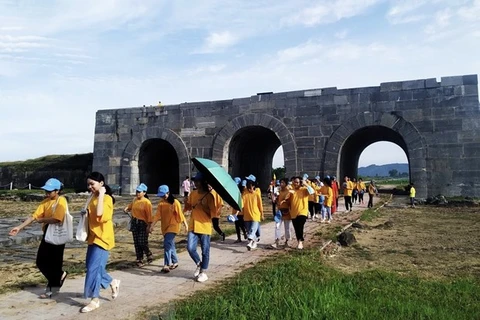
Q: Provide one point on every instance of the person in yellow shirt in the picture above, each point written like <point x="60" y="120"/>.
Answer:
<point x="299" y="206"/>
<point x="284" y="208"/>
<point x="252" y="213"/>
<point x="327" y="192"/>
<point x="49" y="256"/>
<point x="239" y="223"/>
<point x="372" y="190"/>
<point x="347" y="193"/>
<point x="361" y="190"/>
<point x="218" y="212"/>
<point x="101" y="239"/>
<point x="202" y="204"/>
<point x="169" y="212"/>
<point x="141" y="209"/>
<point x="412" y="195"/>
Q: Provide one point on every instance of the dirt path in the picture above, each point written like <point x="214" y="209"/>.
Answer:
<point x="147" y="287"/>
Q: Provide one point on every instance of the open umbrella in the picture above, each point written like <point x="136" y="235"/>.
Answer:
<point x="220" y="181"/>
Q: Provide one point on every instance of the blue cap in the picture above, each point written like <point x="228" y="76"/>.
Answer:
<point x="142" y="187"/>
<point x="244" y="183"/>
<point x="278" y="216"/>
<point x="198" y="176"/>
<point x="305" y="176"/>
<point x="232" y="218"/>
<point x="277" y="182"/>
<point x="251" y="177"/>
<point x="317" y="177"/>
<point x="162" y="190"/>
<point x="52" y="184"/>
<point x="237" y="180"/>
<point x="328" y="177"/>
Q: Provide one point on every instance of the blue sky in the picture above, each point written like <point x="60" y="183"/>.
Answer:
<point x="61" y="61"/>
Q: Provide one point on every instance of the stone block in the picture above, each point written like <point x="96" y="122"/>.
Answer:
<point x="391" y="86"/>
<point x="300" y="132"/>
<point x="451" y="81"/>
<point x="471" y="79"/>
<point x="447" y="125"/>
<point x="339" y="100"/>
<point x="423" y="125"/>
<point x="307" y="111"/>
<point x="447" y="112"/>
<point x="445" y="151"/>
<point x="413" y="84"/>
<point x="471" y="150"/>
<point x="329" y="91"/>
<point x="431" y="83"/>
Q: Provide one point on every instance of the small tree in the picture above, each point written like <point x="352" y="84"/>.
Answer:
<point x="279" y="173"/>
<point x="393" y="173"/>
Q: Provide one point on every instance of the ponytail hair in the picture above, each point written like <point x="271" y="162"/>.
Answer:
<point x="170" y="198"/>
<point x="97" y="176"/>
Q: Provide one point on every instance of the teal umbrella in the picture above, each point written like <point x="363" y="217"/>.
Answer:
<point x="220" y="181"/>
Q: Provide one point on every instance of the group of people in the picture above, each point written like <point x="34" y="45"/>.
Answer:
<point x="295" y="200"/>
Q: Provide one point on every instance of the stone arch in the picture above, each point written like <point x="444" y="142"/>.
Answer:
<point x="129" y="170"/>
<point x="221" y="141"/>
<point x="396" y="129"/>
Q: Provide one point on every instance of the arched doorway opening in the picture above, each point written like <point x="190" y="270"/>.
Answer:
<point x="158" y="164"/>
<point x="251" y="151"/>
<point x="357" y="142"/>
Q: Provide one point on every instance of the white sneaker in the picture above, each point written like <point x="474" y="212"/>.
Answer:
<point x="249" y="245"/>
<point x="329" y="221"/>
<point x="202" y="277"/>
<point x="323" y="220"/>
<point x="197" y="271"/>
<point x="254" y="245"/>
<point x="275" y="245"/>
<point x="300" y="245"/>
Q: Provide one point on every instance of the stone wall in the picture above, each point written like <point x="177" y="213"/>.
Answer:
<point x="322" y="131"/>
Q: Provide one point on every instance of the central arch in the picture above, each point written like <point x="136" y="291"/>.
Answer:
<point x="246" y="135"/>
<point x="346" y="143"/>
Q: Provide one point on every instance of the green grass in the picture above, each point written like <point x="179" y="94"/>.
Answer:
<point x="298" y="286"/>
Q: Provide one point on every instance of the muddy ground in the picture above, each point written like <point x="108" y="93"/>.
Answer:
<point x="431" y="242"/>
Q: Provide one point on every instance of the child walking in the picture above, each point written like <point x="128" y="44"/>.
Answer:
<point x="141" y="209"/>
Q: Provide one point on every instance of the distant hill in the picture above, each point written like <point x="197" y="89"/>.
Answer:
<point x="382" y="170"/>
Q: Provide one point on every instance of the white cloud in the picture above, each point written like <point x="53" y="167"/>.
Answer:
<point x="329" y="11"/>
<point x="217" y="41"/>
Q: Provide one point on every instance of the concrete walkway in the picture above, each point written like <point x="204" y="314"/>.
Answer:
<point x="145" y="287"/>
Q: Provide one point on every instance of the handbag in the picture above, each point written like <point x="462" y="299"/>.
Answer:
<point x="82" y="227"/>
<point x="60" y="233"/>
<point x="129" y="223"/>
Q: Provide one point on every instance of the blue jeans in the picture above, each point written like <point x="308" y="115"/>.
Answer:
<point x="170" y="252"/>
<point x="192" y="242"/>
<point x="252" y="229"/>
<point x="97" y="275"/>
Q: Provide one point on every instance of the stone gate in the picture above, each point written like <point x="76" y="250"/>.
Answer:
<point x="322" y="131"/>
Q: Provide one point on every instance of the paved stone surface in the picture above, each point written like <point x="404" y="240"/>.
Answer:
<point x="146" y="287"/>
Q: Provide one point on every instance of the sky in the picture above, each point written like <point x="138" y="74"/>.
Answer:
<point x="61" y="61"/>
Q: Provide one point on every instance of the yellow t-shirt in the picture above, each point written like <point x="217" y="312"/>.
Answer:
<point x="252" y="206"/>
<point x="348" y="189"/>
<point x="141" y="209"/>
<point x="314" y="196"/>
<point x="100" y="229"/>
<point x="299" y="202"/>
<point x="371" y="189"/>
<point x="218" y="204"/>
<point x="203" y="208"/>
<point x="412" y="192"/>
<point x="284" y="207"/>
<point x="327" y="192"/>
<point x="361" y="186"/>
<point x="170" y="215"/>
<point x="46" y="210"/>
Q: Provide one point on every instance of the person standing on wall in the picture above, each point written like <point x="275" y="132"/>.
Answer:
<point x="202" y="204"/>
<point x="186" y="186"/>
<point x="49" y="256"/>
<point x="101" y="239"/>
<point x="141" y="209"/>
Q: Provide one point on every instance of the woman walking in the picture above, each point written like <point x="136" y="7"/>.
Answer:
<point x="284" y="208"/>
<point x="239" y="223"/>
<point x="252" y="213"/>
<point x="169" y="212"/>
<point x="299" y="207"/>
<point x="202" y="204"/>
<point x="49" y="261"/>
<point x="218" y="212"/>
<point x="371" y="192"/>
<point x="101" y="240"/>
<point x="327" y="192"/>
<point x="141" y="209"/>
